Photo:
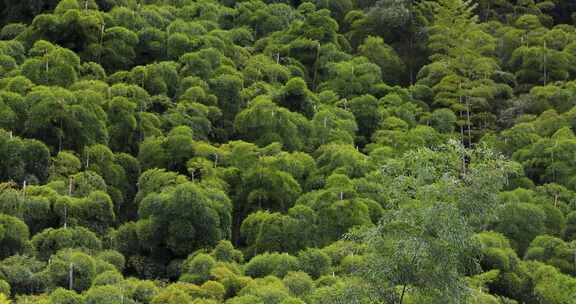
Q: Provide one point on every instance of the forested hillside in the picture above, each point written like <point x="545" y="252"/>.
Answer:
<point x="287" y="152"/>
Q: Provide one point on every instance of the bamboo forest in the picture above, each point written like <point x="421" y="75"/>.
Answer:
<point x="287" y="152"/>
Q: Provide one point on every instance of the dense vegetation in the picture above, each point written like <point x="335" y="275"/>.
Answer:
<point x="285" y="152"/>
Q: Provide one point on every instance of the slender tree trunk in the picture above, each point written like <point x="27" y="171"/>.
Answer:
<point x="468" y="123"/>
<point x="402" y="295"/>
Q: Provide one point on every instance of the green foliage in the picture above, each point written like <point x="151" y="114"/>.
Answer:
<point x="385" y="57"/>
<point x="263" y="122"/>
<point x="64" y="120"/>
<point x="269" y="232"/>
<point x="14" y="236"/>
<point x="196" y="269"/>
<point x="71" y="268"/>
<point x="63" y="296"/>
<point x="109" y="277"/>
<point x="94" y="211"/>
<point x="551" y="285"/>
<point x="299" y="284"/>
<point x="3" y="299"/>
<point x="266" y="264"/>
<point x="269" y="189"/>
<point x="314" y="262"/>
<point x="496" y="252"/>
<point x="113" y="257"/>
<point x="51" y="65"/>
<point x="4" y="288"/>
<point x="521" y="223"/>
<point x="171" y="296"/>
<point x="50" y="241"/>
<point x="570" y="230"/>
<point x="407" y="247"/>
<point x="23" y="274"/>
<point x="552" y="251"/>
<point x="104" y="295"/>
<point x="23" y="159"/>
<point x="269" y="290"/>
<point x="167" y="218"/>
<point x="352" y="78"/>
<point x="284" y="152"/>
<point x="333" y="125"/>
<point x="224" y="251"/>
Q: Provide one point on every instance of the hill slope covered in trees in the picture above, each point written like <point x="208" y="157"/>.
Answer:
<point x="286" y="152"/>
